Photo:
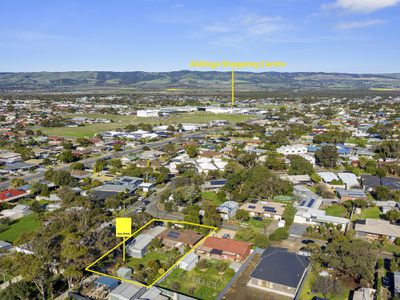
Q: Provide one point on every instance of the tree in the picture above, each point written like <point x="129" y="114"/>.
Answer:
<point x="117" y="147"/>
<point x="246" y="234"/>
<point x="343" y="255"/>
<point x="261" y="241"/>
<point x="77" y="166"/>
<point x="381" y="172"/>
<point x="327" y="286"/>
<point x="73" y="256"/>
<point x="67" y="145"/>
<point x="327" y="156"/>
<point x="66" y="156"/>
<point x="187" y="194"/>
<point x="279" y="234"/>
<point x="382" y="192"/>
<point x="242" y="215"/>
<point x="99" y="165"/>
<point x="300" y="166"/>
<point x="192" y="150"/>
<point x="17" y="182"/>
<point x="392" y="215"/>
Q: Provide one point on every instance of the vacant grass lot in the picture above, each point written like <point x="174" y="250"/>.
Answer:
<point x="122" y="121"/>
<point x="17" y="228"/>
<point x="202" y="284"/>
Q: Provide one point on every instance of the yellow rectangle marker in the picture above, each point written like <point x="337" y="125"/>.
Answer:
<point x="123" y="227"/>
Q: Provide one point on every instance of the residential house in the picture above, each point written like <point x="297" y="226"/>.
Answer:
<point x="316" y="217"/>
<point x="16" y="212"/>
<point x="12" y="195"/>
<point x="351" y="194"/>
<point x="228" y="209"/>
<point x="221" y="248"/>
<point x="280" y="271"/>
<point x="364" y="294"/>
<point x="177" y="238"/>
<point x="264" y="209"/>
<point x="138" y="246"/>
<point x="214" y="185"/>
<point x="126" y="291"/>
<point x="128" y="182"/>
<point x="373" y="229"/>
<point x="292" y="149"/>
<point x="371" y="182"/>
<point x="349" y="179"/>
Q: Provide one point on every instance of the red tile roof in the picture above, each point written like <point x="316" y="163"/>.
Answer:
<point x="228" y="245"/>
<point x="11" y="193"/>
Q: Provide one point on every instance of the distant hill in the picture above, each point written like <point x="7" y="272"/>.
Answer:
<point x="193" y="80"/>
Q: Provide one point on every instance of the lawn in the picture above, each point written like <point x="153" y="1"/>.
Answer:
<point x="336" y="211"/>
<point x="258" y="224"/>
<point x="202" y="284"/>
<point x="161" y="256"/>
<point x="122" y="121"/>
<point x="211" y="196"/>
<point x="18" y="227"/>
<point x="369" y="213"/>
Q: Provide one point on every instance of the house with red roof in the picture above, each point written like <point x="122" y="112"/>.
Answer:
<point x="221" y="248"/>
<point x="12" y="194"/>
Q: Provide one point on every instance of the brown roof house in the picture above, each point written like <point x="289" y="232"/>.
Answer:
<point x="221" y="248"/>
<point x="176" y="238"/>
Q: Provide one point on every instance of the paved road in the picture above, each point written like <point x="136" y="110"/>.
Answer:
<point x="91" y="160"/>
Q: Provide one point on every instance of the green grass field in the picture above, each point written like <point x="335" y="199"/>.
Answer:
<point x="369" y="213"/>
<point x="122" y="121"/>
<point x="211" y="196"/>
<point x="336" y="211"/>
<point x="25" y="224"/>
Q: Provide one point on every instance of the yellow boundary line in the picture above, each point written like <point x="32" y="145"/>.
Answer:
<point x="137" y="231"/>
<point x="233" y="87"/>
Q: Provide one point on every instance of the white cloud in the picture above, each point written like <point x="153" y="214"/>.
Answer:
<point x="361" y="6"/>
<point x="244" y="28"/>
<point x="359" y="24"/>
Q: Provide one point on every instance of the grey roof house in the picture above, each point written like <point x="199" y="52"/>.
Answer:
<point x="280" y="271"/>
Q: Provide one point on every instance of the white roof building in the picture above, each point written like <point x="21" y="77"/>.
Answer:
<point x="292" y="149"/>
<point x="349" y="179"/>
<point x="328" y="176"/>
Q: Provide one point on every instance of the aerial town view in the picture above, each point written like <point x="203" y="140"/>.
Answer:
<point x="211" y="150"/>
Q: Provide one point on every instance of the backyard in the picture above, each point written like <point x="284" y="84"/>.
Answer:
<point x="20" y="226"/>
<point x="336" y="211"/>
<point x="368" y="213"/>
<point x="204" y="283"/>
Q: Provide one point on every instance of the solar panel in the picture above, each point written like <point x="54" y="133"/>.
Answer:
<point x="311" y="203"/>
<point x="252" y="207"/>
<point x="173" y="234"/>
<point x="303" y="202"/>
<point x="269" y="209"/>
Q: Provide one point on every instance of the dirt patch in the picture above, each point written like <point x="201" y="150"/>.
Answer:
<point x="240" y="290"/>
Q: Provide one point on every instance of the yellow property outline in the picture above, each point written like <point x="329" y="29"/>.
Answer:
<point x="137" y="231"/>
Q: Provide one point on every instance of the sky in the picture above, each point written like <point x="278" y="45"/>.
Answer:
<point x="351" y="36"/>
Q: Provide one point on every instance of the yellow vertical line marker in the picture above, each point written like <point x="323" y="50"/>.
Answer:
<point x="233" y="87"/>
<point x="123" y="250"/>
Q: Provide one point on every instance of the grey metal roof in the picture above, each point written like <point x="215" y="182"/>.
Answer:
<point x="280" y="266"/>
